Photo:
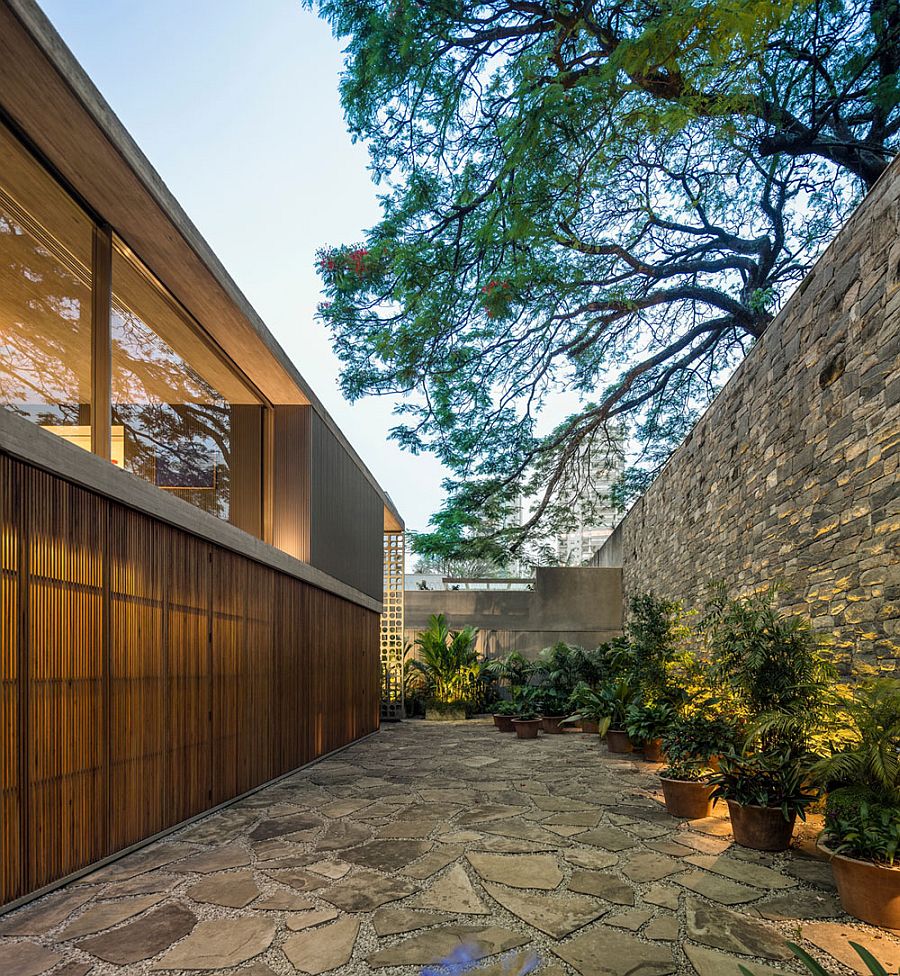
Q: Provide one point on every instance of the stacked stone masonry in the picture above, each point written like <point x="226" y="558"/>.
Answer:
<point x="792" y="473"/>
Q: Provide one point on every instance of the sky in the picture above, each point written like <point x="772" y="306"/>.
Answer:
<point x="235" y="104"/>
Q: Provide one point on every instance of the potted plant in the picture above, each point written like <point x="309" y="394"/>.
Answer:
<point x="448" y="663"/>
<point x="527" y="724"/>
<point x="616" y="698"/>
<point x="783" y="683"/>
<point x="862" y="815"/>
<point x="765" y="793"/>
<point x="687" y="789"/>
<point x="589" y="709"/>
<point x="504" y="713"/>
<point x="692" y="744"/>
<point x="553" y="706"/>
<point x="646" y="725"/>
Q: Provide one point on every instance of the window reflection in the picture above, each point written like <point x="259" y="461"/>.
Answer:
<point x="45" y="298"/>
<point x="179" y="407"/>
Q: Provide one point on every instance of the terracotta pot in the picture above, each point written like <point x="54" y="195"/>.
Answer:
<point x="617" y="741"/>
<point x="527" y="728"/>
<point x="762" y="828"/>
<point x="868" y="891"/>
<point x="550" y="724"/>
<point x="504" y="723"/>
<point x="591" y="728"/>
<point x="653" y="750"/>
<point x="686" y="798"/>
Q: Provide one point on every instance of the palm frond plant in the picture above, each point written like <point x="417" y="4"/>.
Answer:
<point x="776" y="666"/>
<point x="862" y="813"/>
<point x="783" y="683"/>
<point x="510" y="672"/>
<point x="448" y="663"/>
<point x="560" y="667"/>
<point x="658" y="645"/>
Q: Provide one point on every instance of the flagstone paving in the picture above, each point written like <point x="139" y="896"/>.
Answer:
<point x="430" y="837"/>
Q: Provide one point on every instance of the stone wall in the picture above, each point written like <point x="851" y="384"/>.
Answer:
<point x="792" y="473"/>
<point x="580" y="605"/>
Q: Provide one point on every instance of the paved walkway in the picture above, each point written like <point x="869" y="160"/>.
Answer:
<point x="428" y="837"/>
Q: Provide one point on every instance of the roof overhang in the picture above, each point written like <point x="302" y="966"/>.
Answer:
<point x="49" y="98"/>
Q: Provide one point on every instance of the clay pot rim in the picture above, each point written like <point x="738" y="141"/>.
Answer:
<point x="694" y="782"/>
<point x="833" y="855"/>
<point x="527" y="721"/>
<point x="756" y="806"/>
<point x="558" y="718"/>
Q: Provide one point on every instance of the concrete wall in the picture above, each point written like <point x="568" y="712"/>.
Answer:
<point x="792" y="473"/>
<point x="581" y="605"/>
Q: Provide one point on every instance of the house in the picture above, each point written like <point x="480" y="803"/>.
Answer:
<point x="192" y="557"/>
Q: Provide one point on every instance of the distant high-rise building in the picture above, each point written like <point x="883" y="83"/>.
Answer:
<point x="589" y="487"/>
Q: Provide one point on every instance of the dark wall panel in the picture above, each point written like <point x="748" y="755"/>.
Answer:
<point x="346" y="516"/>
<point x="146" y="675"/>
<point x="290" y="480"/>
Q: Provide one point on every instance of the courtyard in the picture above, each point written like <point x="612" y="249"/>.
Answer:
<point x="428" y="837"/>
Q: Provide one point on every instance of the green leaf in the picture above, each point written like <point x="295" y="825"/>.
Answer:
<point x="814" y="967"/>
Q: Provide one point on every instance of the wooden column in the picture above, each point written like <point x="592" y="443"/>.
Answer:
<point x="101" y="342"/>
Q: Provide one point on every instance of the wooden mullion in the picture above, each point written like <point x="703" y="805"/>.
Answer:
<point x="101" y="343"/>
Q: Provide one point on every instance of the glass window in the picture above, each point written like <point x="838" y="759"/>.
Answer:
<point x="45" y="297"/>
<point x="181" y="418"/>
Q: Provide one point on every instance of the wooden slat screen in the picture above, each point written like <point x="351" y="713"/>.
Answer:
<point x="147" y="675"/>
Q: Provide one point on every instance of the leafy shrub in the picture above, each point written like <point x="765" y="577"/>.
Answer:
<point x="447" y="662"/>
<point x="862" y="816"/>
<point x="506" y="708"/>
<point x="561" y="667"/>
<point x="870" y="758"/>
<point x="858" y="825"/>
<point x="552" y="702"/>
<point x="774" y="664"/>
<point x="646" y="722"/>
<point x="657" y="641"/>
<point x="700" y="737"/>
<point x="510" y="672"/>
<point x="687" y="770"/>
<point x="765" y="779"/>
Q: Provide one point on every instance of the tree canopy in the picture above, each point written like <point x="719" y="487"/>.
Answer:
<point x="606" y="198"/>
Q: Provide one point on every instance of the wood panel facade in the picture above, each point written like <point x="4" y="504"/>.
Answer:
<point x="147" y="674"/>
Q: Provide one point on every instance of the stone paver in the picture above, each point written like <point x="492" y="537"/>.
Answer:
<point x="437" y="944"/>
<point x="606" y="952"/>
<point x="219" y="943"/>
<point x="104" y="916"/>
<point x="323" y="949"/>
<point x="557" y="917"/>
<point x="835" y="939"/>
<point x="428" y="837"/>
<point x="144" y="938"/>
<point x="722" y="928"/>
<point x="453" y="892"/>
<point x="710" y="962"/>
<point x="234" y="890"/>
<point x="603" y="885"/>
<point x="26" y="959"/>
<point x="518" y="871"/>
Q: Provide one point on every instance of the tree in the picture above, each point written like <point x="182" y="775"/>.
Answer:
<point x="608" y="197"/>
